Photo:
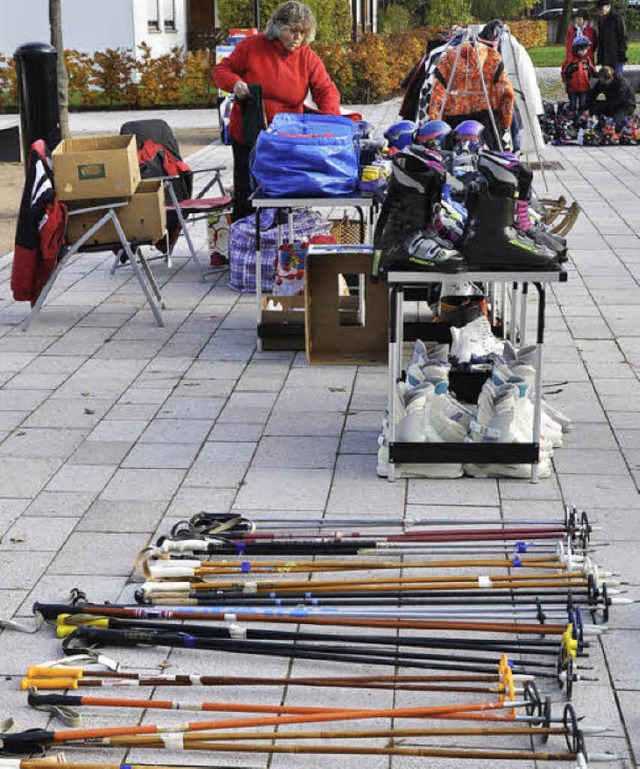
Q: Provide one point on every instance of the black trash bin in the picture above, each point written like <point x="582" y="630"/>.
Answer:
<point x="38" y="99"/>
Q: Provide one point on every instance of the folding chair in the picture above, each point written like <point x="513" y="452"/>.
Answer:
<point x="177" y="177"/>
<point x="130" y="247"/>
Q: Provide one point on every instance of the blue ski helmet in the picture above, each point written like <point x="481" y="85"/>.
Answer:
<point x="468" y="130"/>
<point x="431" y="134"/>
<point x="399" y="134"/>
<point x="580" y="41"/>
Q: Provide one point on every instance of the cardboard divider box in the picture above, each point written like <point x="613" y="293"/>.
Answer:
<point x="143" y="219"/>
<point x="344" y="329"/>
<point x="283" y="329"/>
<point x="96" y="167"/>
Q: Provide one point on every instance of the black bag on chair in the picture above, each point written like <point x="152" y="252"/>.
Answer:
<point x="159" y="155"/>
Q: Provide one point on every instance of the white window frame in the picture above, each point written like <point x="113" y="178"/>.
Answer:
<point x="153" y="15"/>
<point x="169" y="15"/>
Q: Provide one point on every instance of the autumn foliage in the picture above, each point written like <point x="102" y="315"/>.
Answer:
<point x="367" y="70"/>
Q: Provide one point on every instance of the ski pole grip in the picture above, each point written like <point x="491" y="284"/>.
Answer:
<point x="48" y="683"/>
<point x="57" y="671"/>
<point x="34" y="699"/>
<point x="26" y="742"/>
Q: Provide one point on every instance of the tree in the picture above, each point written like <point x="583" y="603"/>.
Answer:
<point x="55" y="24"/>
<point x="485" y="10"/>
<point x="565" y="21"/>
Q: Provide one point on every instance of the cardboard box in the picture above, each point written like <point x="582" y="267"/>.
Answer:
<point x="283" y="329"/>
<point x="341" y="329"/>
<point x="96" y="167"/>
<point x="143" y="219"/>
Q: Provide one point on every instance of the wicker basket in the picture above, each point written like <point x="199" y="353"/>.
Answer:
<point x="347" y="230"/>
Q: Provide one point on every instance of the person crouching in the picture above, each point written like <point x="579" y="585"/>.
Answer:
<point x="619" y="99"/>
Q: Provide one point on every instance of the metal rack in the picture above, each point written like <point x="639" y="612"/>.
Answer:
<point x="494" y="453"/>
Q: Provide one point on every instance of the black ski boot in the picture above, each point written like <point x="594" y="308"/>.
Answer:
<point x="407" y="236"/>
<point x="491" y="241"/>
<point x="523" y="222"/>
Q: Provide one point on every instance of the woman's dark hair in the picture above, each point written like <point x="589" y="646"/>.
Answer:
<point x="582" y="13"/>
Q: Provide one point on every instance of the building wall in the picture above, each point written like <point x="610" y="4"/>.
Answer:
<point x="89" y="25"/>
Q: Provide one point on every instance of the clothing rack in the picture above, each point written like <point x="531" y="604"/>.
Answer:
<point x="468" y="37"/>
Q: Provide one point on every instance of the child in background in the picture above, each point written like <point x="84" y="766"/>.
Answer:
<point x="576" y="71"/>
<point x="581" y="28"/>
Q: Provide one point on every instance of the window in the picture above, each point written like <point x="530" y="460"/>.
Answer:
<point x="169" y="8"/>
<point x="153" y="18"/>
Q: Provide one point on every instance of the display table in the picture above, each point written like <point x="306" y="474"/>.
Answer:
<point x="494" y="453"/>
<point x="359" y="202"/>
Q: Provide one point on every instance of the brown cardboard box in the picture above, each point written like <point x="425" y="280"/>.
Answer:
<point x="342" y="329"/>
<point x="96" y="167"/>
<point x="143" y="219"/>
<point x="283" y="329"/>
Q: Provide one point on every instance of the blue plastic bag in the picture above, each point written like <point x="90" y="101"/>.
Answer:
<point x="307" y="156"/>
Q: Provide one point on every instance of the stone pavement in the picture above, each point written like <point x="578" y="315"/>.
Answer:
<point x="112" y="429"/>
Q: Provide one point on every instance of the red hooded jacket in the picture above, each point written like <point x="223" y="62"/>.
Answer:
<point x="285" y="76"/>
<point x="576" y="72"/>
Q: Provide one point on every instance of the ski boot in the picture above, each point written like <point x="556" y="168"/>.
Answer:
<point x="409" y="233"/>
<point x="523" y="221"/>
<point x="491" y="241"/>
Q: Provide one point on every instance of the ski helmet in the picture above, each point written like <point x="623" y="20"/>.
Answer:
<point x="431" y="134"/>
<point x="468" y="136"/>
<point x="580" y="41"/>
<point x="399" y="135"/>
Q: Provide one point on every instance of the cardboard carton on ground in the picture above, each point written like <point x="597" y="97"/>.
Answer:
<point x="143" y="218"/>
<point x="283" y="329"/>
<point x="96" y="168"/>
<point x="339" y="329"/>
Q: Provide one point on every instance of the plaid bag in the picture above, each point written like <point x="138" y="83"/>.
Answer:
<point x="242" y="246"/>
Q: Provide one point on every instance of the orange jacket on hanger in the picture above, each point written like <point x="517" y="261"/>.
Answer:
<point x="466" y="95"/>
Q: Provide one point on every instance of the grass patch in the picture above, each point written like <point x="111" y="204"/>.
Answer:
<point x="553" y="55"/>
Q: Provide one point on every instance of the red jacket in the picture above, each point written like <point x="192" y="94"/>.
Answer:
<point x="576" y="72"/>
<point x="589" y="32"/>
<point x="41" y="230"/>
<point x="286" y="77"/>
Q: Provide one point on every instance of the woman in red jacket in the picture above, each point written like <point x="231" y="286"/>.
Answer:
<point x="281" y="61"/>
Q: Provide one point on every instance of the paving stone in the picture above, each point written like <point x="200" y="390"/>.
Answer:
<point x="42" y="443"/>
<point x="589" y="461"/>
<point x="291" y="489"/>
<point x="177" y="430"/>
<point x="21" y="570"/>
<point x="133" y="484"/>
<point x="21" y="476"/>
<point x="469" y="491"/>
<point x="75" y="413"/>
<point x="599" y="491"/>
<point x="122" y="516"/>
<point x="189" y="501"/>
<point x="158" y="455"/>
<point x="101" y="452"/>
<point x="191" y="408"/>
<point x="282" y="422"/>
<point x="90" y="478"/>
<point x="98" y="553"/>
<point x="60" y="503"/>
<point x="359" y="442"/>
<point x="31" y="533"/>
<point x="312" y="452"/>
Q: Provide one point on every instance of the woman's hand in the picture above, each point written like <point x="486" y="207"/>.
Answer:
<point x="241" y="90"/>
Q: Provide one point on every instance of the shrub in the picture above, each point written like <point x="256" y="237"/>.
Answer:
<point x="112" y="74"/>
<point x="395" y="19"/>
<point x="529" y="33"/>
<point x="449" y="13"/>
<point x="333" y="17"/>
<point x="8" y="82"/>
<point x="160" y="79"/>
